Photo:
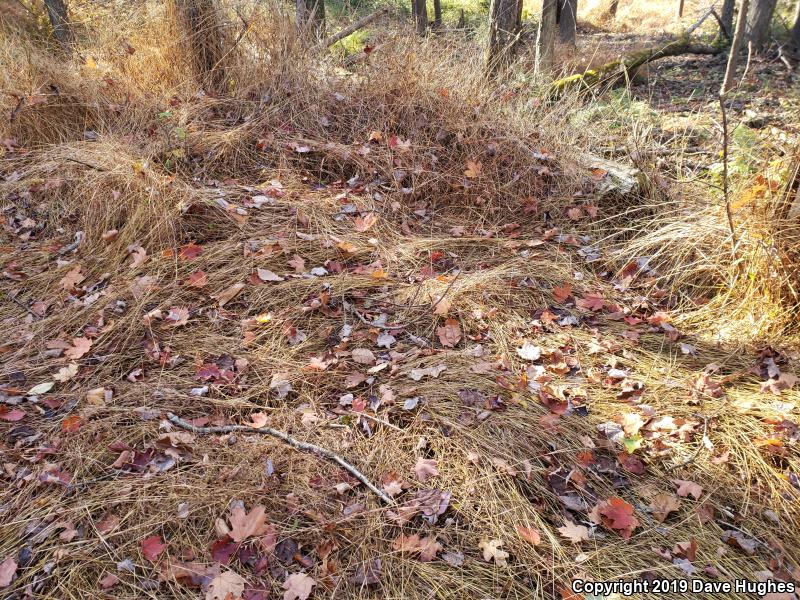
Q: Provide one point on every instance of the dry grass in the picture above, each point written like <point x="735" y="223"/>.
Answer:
<point x="171" y="167"/>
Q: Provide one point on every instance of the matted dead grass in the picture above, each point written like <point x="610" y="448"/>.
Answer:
<point x="369" y="197"/>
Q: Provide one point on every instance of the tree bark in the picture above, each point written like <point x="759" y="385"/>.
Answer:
<point x="311" y="18"/>
<point x="437" y="13"/>
<point x="505" y="22"/>
<point x="759" y="19"/>
<point x="547" y="35"/>
<point x="567" y="23"/>
<point x="794" y="39"/>
<point x="62" y="30"/>
<point x="726" y="17"/>
<point x="201" y="29"/>
<point x="611" y="11"/>
<point x="736" y="46"/>
<point x="420" y="13"/>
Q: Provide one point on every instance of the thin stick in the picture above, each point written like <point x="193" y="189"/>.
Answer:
<point x="725" y="189"/>
<point x="293" y="442"/>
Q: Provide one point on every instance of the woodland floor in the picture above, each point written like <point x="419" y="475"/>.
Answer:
<point x="536" y="417"/>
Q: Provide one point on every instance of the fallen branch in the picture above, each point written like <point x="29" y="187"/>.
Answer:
<point x="293" y="442"/>
<point x="353" y="27"/>
<point x="625" y="68"/>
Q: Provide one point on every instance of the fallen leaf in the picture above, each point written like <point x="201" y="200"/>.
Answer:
<point x="298" y="586"/>
<point x="529" y="351"/>
<point x="40" y="389"/>
<point x="530" y="534"/>
<point x="66" y="373"/>
<point x="151" y="547"/>
<point x="491" y="551"/>
<point x="108" y="581"/>
<point x="228" y="294"/>
<point x="72" y="278"/>
<point x="267" y="275"/>
<point x="12" y="415"/>
<point x="226" y="586"/>
<point x="8" y="569"/>
<point x="562" y="292"/>
<point x="473" y="169"/>
<point x="363" y="356"/>
<point x="418" y="374"/>
<point x="364" y="223"/>
<point x="138" y="254"/>
<point x="573" y="532"/>
<point x="80" y="346"/>
<point x="247" y="524"/>
<point x="663" y="504"/>
<point x="688" y="488"/>
<point x="426" y="547"/>
<point x="190" y="251"/>
<point x="618" y="514"/>
<point x="449" y="334"/>
<point x="593" y="302"/>
<point x="197" y="279"/>
<point x="425" y="469"/>
<point x="177" y="316"/>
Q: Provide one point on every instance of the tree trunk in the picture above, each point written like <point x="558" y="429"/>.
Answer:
<point x="201" y="30"/>
<point x="759" y="19"/>
<point x="547" y="35"/>
<point x="567" y="23"/>
<point x="57" y="12"/>
<point x="726" y="17"/>
<point x="680" y="8"/>
<point x="794" y="39"/>
<point x="611" y="11"/>
<point x="311" y="19"/>
<point x="736" y="46"/>
<point x="420" y="12"/>
<point x="505" y="22"/>
<point x="437" y="13"/>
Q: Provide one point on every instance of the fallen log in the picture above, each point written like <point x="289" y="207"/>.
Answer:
<point x="625" y="68"/>
<point x="353" y="27"/>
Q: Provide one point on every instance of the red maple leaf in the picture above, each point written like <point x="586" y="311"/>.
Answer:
<point x="592" y="301"/>
<point x="618" y="514"/>
<point x="152" y="546"/>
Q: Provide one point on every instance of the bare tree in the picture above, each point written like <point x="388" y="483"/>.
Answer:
<point x="736" y="46"/>
<point x="547" y="35"/>
<point x="311" y="18"/>
<point x="505" y="23"/>
<point x="726" y="18"/>
<point x="567" y="21"/>
<point x="759" y="19"/>
<point x="59" y="20"/>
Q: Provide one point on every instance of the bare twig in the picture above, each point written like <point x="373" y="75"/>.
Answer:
<point x="725" y="187"/>
<point x="293" y="442"/>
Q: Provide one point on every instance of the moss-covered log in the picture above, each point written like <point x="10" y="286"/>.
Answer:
<point x="624" y="69"/>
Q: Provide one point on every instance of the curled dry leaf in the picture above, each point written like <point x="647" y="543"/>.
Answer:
<point x="66" y="373"/>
